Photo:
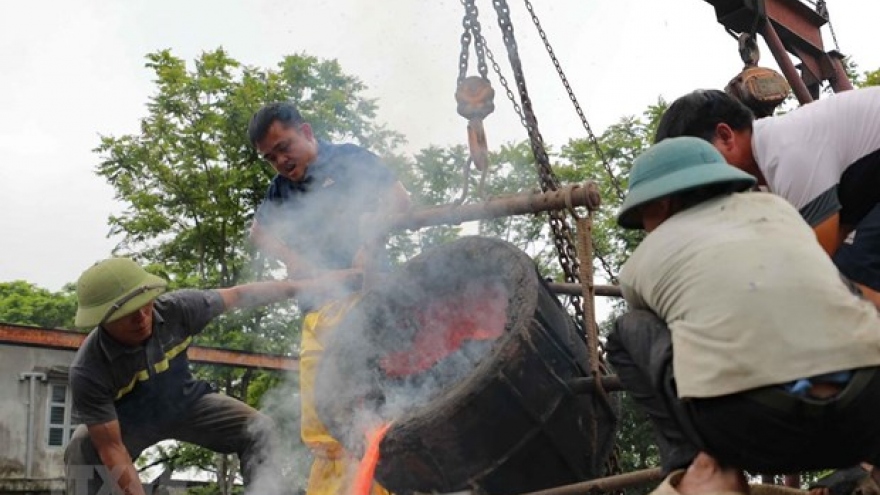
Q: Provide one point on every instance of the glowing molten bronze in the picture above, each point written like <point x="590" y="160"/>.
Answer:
<point x="363" y="481"/>
<point x="444" y="325"/>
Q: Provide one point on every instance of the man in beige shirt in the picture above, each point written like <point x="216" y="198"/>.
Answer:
<point x="743" y="342"/>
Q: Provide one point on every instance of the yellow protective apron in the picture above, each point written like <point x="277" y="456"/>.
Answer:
<point x="333" y="469"/>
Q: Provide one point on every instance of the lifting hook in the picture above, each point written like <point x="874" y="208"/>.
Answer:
<point x="474" y="96"/>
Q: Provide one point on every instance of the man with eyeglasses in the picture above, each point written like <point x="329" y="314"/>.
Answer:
<point x="131" y="383"/>
<point x="823" y="158"/>
<point x="310" y="221"/>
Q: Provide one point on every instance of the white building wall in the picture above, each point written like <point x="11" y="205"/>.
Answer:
<point x="46" y="460"/>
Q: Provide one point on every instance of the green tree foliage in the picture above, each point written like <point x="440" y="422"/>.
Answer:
<point x="434" y="177"/>
<point x="24" y="303"/>
<point x="870" y="79"/>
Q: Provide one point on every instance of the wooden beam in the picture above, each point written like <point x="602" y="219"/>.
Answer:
<point x="68" y="340"/>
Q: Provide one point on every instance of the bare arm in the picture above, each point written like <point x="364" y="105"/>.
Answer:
<point x="107" y="439"/>
<point x="831" y="234"/>
<point x="271" y="246"/>
<point x="262" y="293"/>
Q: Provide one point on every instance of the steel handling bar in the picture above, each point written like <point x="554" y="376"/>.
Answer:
<point x="572" y="196"/>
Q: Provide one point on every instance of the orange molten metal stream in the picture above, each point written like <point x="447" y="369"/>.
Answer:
<point x="363" y="482"/>
<point x="444" y="325"/>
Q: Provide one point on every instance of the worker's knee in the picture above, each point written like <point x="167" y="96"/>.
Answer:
<point x="79" y="449"/>
<point x="633" y="325"/>
<point x="260" y="428"/>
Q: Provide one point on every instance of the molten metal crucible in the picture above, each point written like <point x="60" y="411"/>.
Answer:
<point x="486" y="410"/>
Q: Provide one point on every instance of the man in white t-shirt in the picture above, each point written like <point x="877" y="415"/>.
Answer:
<point x="742" y="341"/>
<point x="823" y="158"/>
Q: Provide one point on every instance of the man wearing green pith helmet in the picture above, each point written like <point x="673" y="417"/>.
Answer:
<point x="130" y="379"/>
<point x="743" y="343"/>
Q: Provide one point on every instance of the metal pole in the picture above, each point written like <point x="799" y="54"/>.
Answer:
<point x="840" y="81"/>
<point x="607" y="484"/>
<point x="785" y="63"/>
<point x="571" y="196"/>
<point x="575" y="289"/>
<point x="32" y="378"/>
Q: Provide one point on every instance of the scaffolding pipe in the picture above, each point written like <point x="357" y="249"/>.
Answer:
<point x="570" y="289"/>
<point x="607" y="484"/>
<point x="32" y="378"/>
<point x="568" y="197"/>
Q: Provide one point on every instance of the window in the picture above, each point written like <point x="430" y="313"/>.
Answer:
<point x="60" y="426"/>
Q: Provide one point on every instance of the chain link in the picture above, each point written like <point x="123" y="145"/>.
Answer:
<point x="562" y="236"/>
<point x="563" y="239"/>
<point x="503" y="80"/>
<point x="471" y="25"/>
<point x="822" y="9"/>
<point x="465" y="50"/>
<point x="571" y="96"/>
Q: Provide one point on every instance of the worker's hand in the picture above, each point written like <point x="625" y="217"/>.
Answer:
<point x="705" y="475"/>
<point x="870" y="294"/>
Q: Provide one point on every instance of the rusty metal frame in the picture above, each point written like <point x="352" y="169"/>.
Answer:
<point x="67" y="340"/>
<point x="789" y="27"/>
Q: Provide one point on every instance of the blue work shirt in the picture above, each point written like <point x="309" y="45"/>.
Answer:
<point x="318" y="218"/>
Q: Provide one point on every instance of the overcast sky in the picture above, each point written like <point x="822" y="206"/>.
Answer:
<point x="74" y="69"/>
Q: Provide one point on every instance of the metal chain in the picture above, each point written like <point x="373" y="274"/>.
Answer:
<point x="562" y="236"/>
<point x="465" y="49"/>
<point x="577" y="106"/>
<point x="822" y="9"/>
<point x="503" y="80"/>
<point x="471" y="25"/>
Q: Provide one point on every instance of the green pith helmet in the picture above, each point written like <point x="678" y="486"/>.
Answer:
<point x="112" y="289"/>
<point x="676" y="165"/>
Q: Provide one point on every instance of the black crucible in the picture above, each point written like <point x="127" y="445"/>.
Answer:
<point x="493" y="411"/>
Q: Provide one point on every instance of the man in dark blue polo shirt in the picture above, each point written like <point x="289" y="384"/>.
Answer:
<point x="310" y="221"/>
<point x="131" y="381"/>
